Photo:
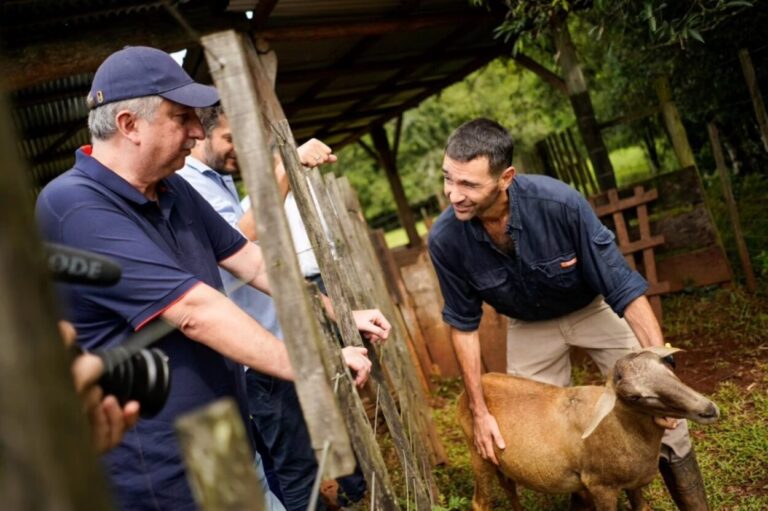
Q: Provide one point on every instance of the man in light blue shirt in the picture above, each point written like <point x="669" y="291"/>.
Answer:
<point x="273" y="404"/>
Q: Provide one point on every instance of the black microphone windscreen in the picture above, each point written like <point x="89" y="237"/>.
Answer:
<point x="78" y="266"/>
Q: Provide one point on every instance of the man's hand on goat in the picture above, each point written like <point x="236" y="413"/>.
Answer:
<point x="372" y="324"/>
<point x="486" y="435"/>
<point x="357" y="360"/>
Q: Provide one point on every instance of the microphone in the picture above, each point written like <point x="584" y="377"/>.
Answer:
<point x="77" y="266"/>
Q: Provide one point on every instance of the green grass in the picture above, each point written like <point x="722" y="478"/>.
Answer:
<point x="398" y="237"/>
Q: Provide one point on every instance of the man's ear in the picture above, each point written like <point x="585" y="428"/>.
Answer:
<point x="507" y="176"/>
<point x="127" y="125"/>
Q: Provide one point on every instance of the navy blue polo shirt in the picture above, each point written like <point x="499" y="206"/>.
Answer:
<point x="564" y="257"/>
<point x="165" y="248"/>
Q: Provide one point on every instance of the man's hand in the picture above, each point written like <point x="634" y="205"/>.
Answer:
<point x="108" y="420"/>
<point x="314" y="153"/>
<point x="357" y="360"/>
<point x="486" y="435"/>
<point x="666" y="422"/>
<point x="372" y="324"/>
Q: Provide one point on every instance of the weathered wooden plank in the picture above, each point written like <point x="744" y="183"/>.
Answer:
<point x="630" y="202"/>
<point x="229" y="62"/>
<point x="620" y="224"/>
<point x="641" y="244"/>
<point x="395" y="353"/>
<point x="345" y="285"/>
<point x="423" y="287"/>
<point x="702" y="267"/>
<point x="368" y="453"/>
<point x="219" y="459"/>
<point x="46" y="461"/>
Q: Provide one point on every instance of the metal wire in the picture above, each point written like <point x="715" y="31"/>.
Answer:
<point x="316" y="485"/>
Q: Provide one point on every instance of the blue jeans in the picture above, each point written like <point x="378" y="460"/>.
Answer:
<point x="276" y="415"/>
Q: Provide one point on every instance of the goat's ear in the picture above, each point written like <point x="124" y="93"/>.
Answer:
<point x="662" y="351"/>
<point x="603" y="407"/>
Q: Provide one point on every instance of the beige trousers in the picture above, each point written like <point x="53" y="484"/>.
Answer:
<point x="540" y="350"/>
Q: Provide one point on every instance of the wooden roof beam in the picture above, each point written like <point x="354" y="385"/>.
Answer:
<point x="303" y="75"/>
<point x="367" y="28"/>
<point x="451" y="79"/>
<point x="83" y="52"/>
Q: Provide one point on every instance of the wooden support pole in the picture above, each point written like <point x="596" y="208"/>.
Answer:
<point x="581" y="102"/>
<point x="674" y="124"/>
<point x="387" y="160"/>
<point x="46" y="460"/>
<point x="219" y="459"/>
<point x="754" y="93"/>
<point x="733" y="210"/>
<point x="231" y="59"/>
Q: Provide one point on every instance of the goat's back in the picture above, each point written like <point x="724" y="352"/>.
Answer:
<point x="541" y="425"/>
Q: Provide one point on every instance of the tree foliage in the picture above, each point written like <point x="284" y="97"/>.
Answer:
<point x="622" y="44"/>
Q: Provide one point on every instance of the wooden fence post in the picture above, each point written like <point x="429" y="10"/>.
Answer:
<point x="343" y="281"/>
<point x="46" y="460"/>
<point x="219" y="460"/>
<point x="231" y="67"/>
<point x="308" y="197"/>
<point x="733" y="211"/>
<point x="754" y="92"/>
<point x="395" y="353"/>
<point x="674" y="124"/>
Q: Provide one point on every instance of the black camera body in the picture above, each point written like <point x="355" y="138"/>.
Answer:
<point x="132" y="371"/>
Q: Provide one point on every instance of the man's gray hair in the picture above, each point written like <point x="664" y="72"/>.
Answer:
<point x="101" y="120"/>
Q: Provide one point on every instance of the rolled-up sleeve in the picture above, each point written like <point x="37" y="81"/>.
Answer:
<point x="462" y="308"/>
<point x="603" y="265"/>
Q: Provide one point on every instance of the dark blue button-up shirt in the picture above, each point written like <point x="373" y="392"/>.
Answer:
<point x="564" y="257"/>
<point x="165" y="248"/>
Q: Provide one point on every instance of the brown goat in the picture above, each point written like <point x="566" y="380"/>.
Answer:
<point x="598" y="440"/>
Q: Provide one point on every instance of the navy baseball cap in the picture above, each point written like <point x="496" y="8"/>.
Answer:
<point x="137" y="71"/>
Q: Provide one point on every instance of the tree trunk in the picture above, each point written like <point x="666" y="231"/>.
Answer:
<point x="578" y="94"/>
<point x="387" y="159"/>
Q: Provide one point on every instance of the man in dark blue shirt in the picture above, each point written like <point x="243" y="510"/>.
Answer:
<point x="122" y="199"/>
<point x="531" y="247"/>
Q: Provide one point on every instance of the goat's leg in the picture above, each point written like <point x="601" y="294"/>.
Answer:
<point x="510" y="488"/>
<point x="637" y="501"/>
<point x="484" y="477"/>
<point x="604" y="497"/>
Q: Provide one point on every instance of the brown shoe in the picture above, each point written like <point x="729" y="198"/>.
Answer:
<point x="684" y="482"/>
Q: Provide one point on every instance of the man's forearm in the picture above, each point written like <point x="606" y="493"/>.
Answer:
<point x="467" y="348"/>
<point x="247" y="264"/>
<point x="641" y="319"/>
<point x="207" y="316"/>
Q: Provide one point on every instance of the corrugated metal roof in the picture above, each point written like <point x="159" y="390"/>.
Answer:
<point x="344" y="65"/>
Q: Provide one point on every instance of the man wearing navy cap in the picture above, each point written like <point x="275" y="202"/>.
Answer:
<point x="123" y="200"/>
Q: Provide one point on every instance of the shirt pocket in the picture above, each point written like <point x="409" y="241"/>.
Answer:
<point x="559" y="272"/>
